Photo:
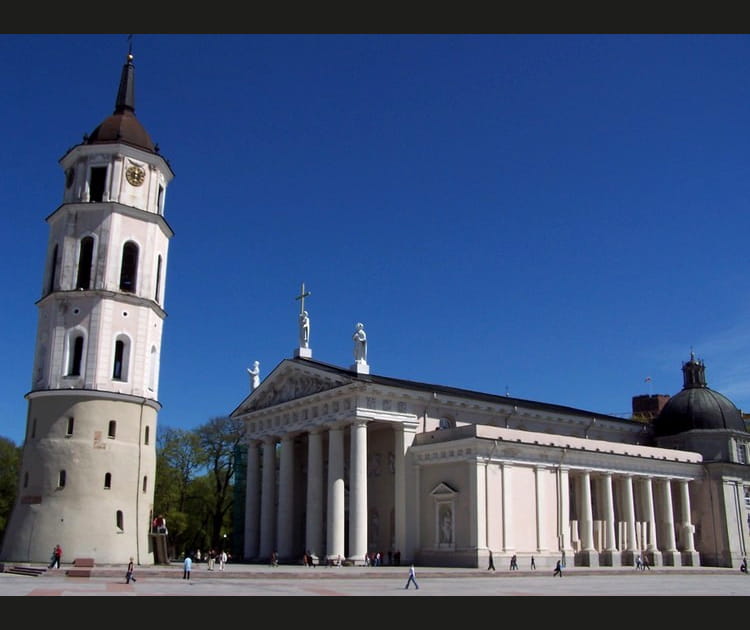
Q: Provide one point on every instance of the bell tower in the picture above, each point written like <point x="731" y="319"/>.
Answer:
<point x="89" y="454"/>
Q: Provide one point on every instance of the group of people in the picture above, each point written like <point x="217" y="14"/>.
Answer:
<point x="159" y="525"/>
<point x="641" y="563"/>
<point x="212" y="557"/>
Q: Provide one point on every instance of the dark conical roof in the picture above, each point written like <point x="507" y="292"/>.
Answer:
<point x="697" y="406"/>
<point x="122" y="125"/>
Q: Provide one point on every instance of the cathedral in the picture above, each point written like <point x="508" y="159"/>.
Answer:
<point x="342" y="463"/>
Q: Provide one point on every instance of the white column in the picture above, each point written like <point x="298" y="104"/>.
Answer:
<point x="507" y="503"/>
<point x="629" y="505"/>
<point x="585" y="515"/>
<point x="648" y="498"/>
<point x="540" y="509"/>
<point x="314" y="516"/>
<point x="285" y="518"/>
<point x="609" y="507"/>
<point x="268" y="498"/>
<point x="667" y="516"/>
<point x="405" y="498"/>
<point x="563" y="510"/>
<point x="252" y="500"/>
<point x="687" y="526"/>
<point x="358" y="491"/>
<point x="335" y="493"/>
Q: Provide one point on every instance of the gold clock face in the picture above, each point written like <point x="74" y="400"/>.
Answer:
<point x="135" y="175"/>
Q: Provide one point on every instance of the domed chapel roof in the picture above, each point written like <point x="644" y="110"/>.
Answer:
<point x="697" y="406"/>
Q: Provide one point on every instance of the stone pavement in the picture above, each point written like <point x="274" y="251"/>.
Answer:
<point x="264" y="581"/>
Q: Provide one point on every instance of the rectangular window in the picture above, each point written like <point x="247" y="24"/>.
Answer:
<point x="61" y="479"/>
<point x="741" y="452"/>
<point x="97" y="182"/>
<point x="69" y="430"/>
<point x="112" y="430"/>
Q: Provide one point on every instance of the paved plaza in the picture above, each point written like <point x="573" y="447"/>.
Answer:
<point x="265" y="581"/>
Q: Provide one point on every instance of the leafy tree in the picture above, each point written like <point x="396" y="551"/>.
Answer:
<point x="178" y="460"/>
<point x="10" y="466"/>
<point x="219" y="439"/>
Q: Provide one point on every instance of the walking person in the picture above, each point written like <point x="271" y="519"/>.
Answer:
<point x="514" y="563"/>
<point x="129" y="572"/>
<point x="533" y="563"/>
<point x="558" y="569"/>
<point x="743" y="566"/>
<point x="412" y="578"/>
<point x="187" y="566"/>
<point x="56" y="557"/>
<point x="646" y="565"/>
<point x="491" y="565"/>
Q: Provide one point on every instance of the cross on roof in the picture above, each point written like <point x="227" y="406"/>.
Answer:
<point x="302" y="295"/>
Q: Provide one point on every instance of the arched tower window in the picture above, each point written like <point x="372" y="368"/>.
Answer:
<point x="107" y="481"/>
<point x="158" y="278"/>
<point x="119" y="522"/>
<point x="75" y="357"/>
<point x="61" y="479"/>
<point x="129" y="267"/>
<point x="85" y="260"/>
<point x="112" y="429"/>
<point x="52" y="271"/>
<point x="152" y="369"/>
<point x="145" y="483"/>
<point x="120" y="363"/>
<point x="146" y="435"/>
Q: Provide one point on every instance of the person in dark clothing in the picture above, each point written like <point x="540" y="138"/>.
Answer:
<point x="412" y="578"/>
<point x="491" y="565"/>
<point x="129" y="572"/>
<point x="558" y="569"/>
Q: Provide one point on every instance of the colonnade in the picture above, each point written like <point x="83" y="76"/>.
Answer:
<point x="635" y="515"/>
<point x="269" y="520"/>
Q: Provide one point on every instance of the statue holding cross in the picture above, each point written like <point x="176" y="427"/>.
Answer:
<point x="304" y="319"/>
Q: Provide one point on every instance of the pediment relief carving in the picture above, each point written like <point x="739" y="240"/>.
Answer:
<point x="291" y="387"/>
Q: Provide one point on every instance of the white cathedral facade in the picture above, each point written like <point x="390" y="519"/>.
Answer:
<point x="341" y="462"/>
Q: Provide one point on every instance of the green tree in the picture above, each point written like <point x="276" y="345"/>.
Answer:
<point x="10" y="466"/>
<point x="219" y="439"/>
<point x="178" y="460"/>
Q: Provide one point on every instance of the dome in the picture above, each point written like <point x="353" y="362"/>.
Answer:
<point x="122" y="127"/>
<point x="697" y="406"/>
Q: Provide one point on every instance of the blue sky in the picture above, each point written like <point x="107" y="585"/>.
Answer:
<point x="556" y="217"/>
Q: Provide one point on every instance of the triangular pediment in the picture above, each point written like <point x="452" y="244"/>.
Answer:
<point x="443" y="490"/>
<point x="290" y="380"/>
